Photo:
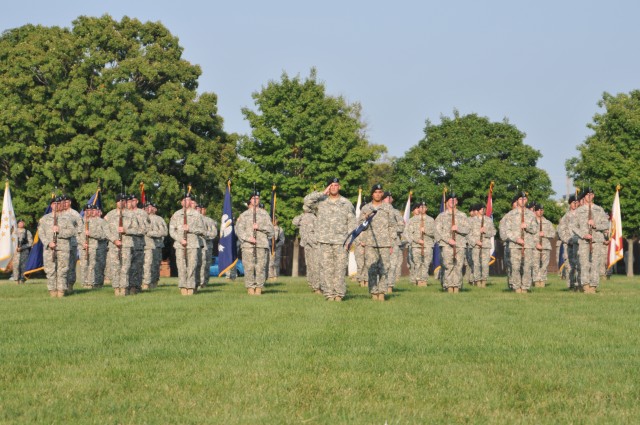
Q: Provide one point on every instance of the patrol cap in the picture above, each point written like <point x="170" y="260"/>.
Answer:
<point x="375" y="187"/>
<point x="333" y="180"/>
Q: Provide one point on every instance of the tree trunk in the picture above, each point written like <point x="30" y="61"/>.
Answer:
<point x="296" y="256"/>
<point x="630" y="242"/>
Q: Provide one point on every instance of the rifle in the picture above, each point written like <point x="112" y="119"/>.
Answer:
<point x="255" y="232"/>
<point x="55" y="235"/>
<point x="521" y="228"/>
<point x="185" y="233"/>
<point x="590" y="230"/>
<point x="119" y="233"/>
<point x="422" y="232"/>
<point x="453" y="232"/>
<point x="86" y="236"/>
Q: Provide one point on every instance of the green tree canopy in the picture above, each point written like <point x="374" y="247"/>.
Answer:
<point x="109" y="101"/>
<point x="300" y="138"/>
<point x="466" y="154"/>
<point x="611" y="156"/>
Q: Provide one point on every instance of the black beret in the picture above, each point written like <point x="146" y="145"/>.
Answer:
<point x="572" y="199"/>
<point x="375" y="187"/>
<point x="452" y="195"/>
<point x="333" y="180"/>
<point x="121" y="197"/>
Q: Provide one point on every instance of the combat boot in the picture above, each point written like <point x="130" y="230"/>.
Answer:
<point x="390" y="290"/>
<point x="337" y="299"/>
<point x="450" y="290"/>
<point x="456" y="290"/>
<point x="145" y="287"/>
<point x="251" y="291"/>
<point x="258" y="291"/>
<point x="53" y="294"/>
<point x="380" y="297"/>
<point x="61" y="294"/>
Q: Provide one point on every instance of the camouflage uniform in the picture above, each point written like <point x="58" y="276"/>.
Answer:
<point x="137" y="261"/>
<point x="451" y="264"/>
<point x="306" y="223"/>
<point x="274" y="258"/>
<point x="566" y="237"/>
<point x="211" y="231"/>
<point x="335" y="220"/>
<point x="119" y="260"/>
<point x="378" y="240"/>
<point x="420" y="227"/>
<point x="92" y="258"/>
<point x="590" y="259"/>
<point x="254" y="256"/>
<point x="541" y="257"/>
<point x="187" y="257"/>
<point x="395" y="269"/>
<point x="521" y="266"/>
<point x="76" y="219"/>
<point x="24" y="241"/>
<point x="153" y="244"/>
<point x="57" y="270"/>
<point x="481" y="255"/>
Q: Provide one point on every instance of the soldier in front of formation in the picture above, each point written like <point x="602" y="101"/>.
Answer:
<point x="419" y="234"/>
<point x="153" y="244"/>
<point x="254" y="230"/>
<point x="335" y="219"/>
<point x="186" y="228"/>
<point x="93" y="240"/>
<point x="210" y="234"/>
<point x="589" y="226"/>
<point x="546" y="233"/>
<point x="58" y="234"/>
<point x="24" y="242"/>
<point x="378" y="241"/>
<point x="482" y="230"/>
<point x="452" y="226"/>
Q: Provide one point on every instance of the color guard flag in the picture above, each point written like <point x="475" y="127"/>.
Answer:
<point x="8" y="228"/>
<point x="227" y="247"/>
<point x="407" y="209"/>
<point x="353" y="266"/>
<point x="35" y="262"/>
<point x="489" y="213"/>
<point x="436" y="246"/>
<point x="615" y="252"/>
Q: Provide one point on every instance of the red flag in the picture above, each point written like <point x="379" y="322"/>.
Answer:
<point x="143" y="198"/>
<point x="615" y="251"/>
<point x="489" y="213"/>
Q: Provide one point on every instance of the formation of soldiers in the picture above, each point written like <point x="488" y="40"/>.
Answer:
<point x="125" y="246"/>
<point x="465" y="243"/>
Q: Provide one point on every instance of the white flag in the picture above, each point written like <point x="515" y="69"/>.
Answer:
<point x="615" y="251"/>
<point x="7" y="230"/>
<point x="353" y="266"/>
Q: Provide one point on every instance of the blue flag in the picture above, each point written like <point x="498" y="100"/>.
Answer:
<point x="436" y="246"/>
<point x="96" y="199"/>
<point x="227" y="247"/>
<point x="561" y="259"/>
<point x="359" y="229"/>
<point x="35" y="262"/>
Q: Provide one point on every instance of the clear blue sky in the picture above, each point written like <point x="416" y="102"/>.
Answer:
<point x="543" y="65"/>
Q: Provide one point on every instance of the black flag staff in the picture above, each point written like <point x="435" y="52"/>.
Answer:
<point x="359" y="229"/>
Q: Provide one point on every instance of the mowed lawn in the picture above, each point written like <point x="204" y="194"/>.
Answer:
<point x="289" y="357"/>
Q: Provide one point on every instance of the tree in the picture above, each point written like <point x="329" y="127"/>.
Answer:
<point x="465" y="154"/>
<point x="300" y="138"/>
<point x="610" y="156"/>
<point x="109" y="101"/>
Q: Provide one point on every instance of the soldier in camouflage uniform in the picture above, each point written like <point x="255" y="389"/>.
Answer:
<point x="137" y="235"/>
<point x="58" y="235"/>
<point x="24" y="241"/>
<point x="589" y="224"/>
<point x="186" y="228"/>
<point x="93" y="238"/>
<point x="520" y="231"/>
<point x="122" y="227"/>
<point x="571" y="243"/>
<point x="276" y="254"/>
<point x="378" y="240"/>
<point x="468" y="267"/>
<point x="153" y="244"/>
<point x="76" y="219"/>
<point x="362" y="274"/>
<point x="419" y="233"/>
<point x="211" y="231"/>
<point x="451" y="237"/>
<point x="335" y="220"/>
<point x="254" y="230"/>
<point x="306" y="223"/>
<point x="546" y="233"/>
<point x="482" y="230"/>
<point x="395" y="270"/>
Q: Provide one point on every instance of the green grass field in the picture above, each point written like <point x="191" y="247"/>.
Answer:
<point x="223" y="357"/>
